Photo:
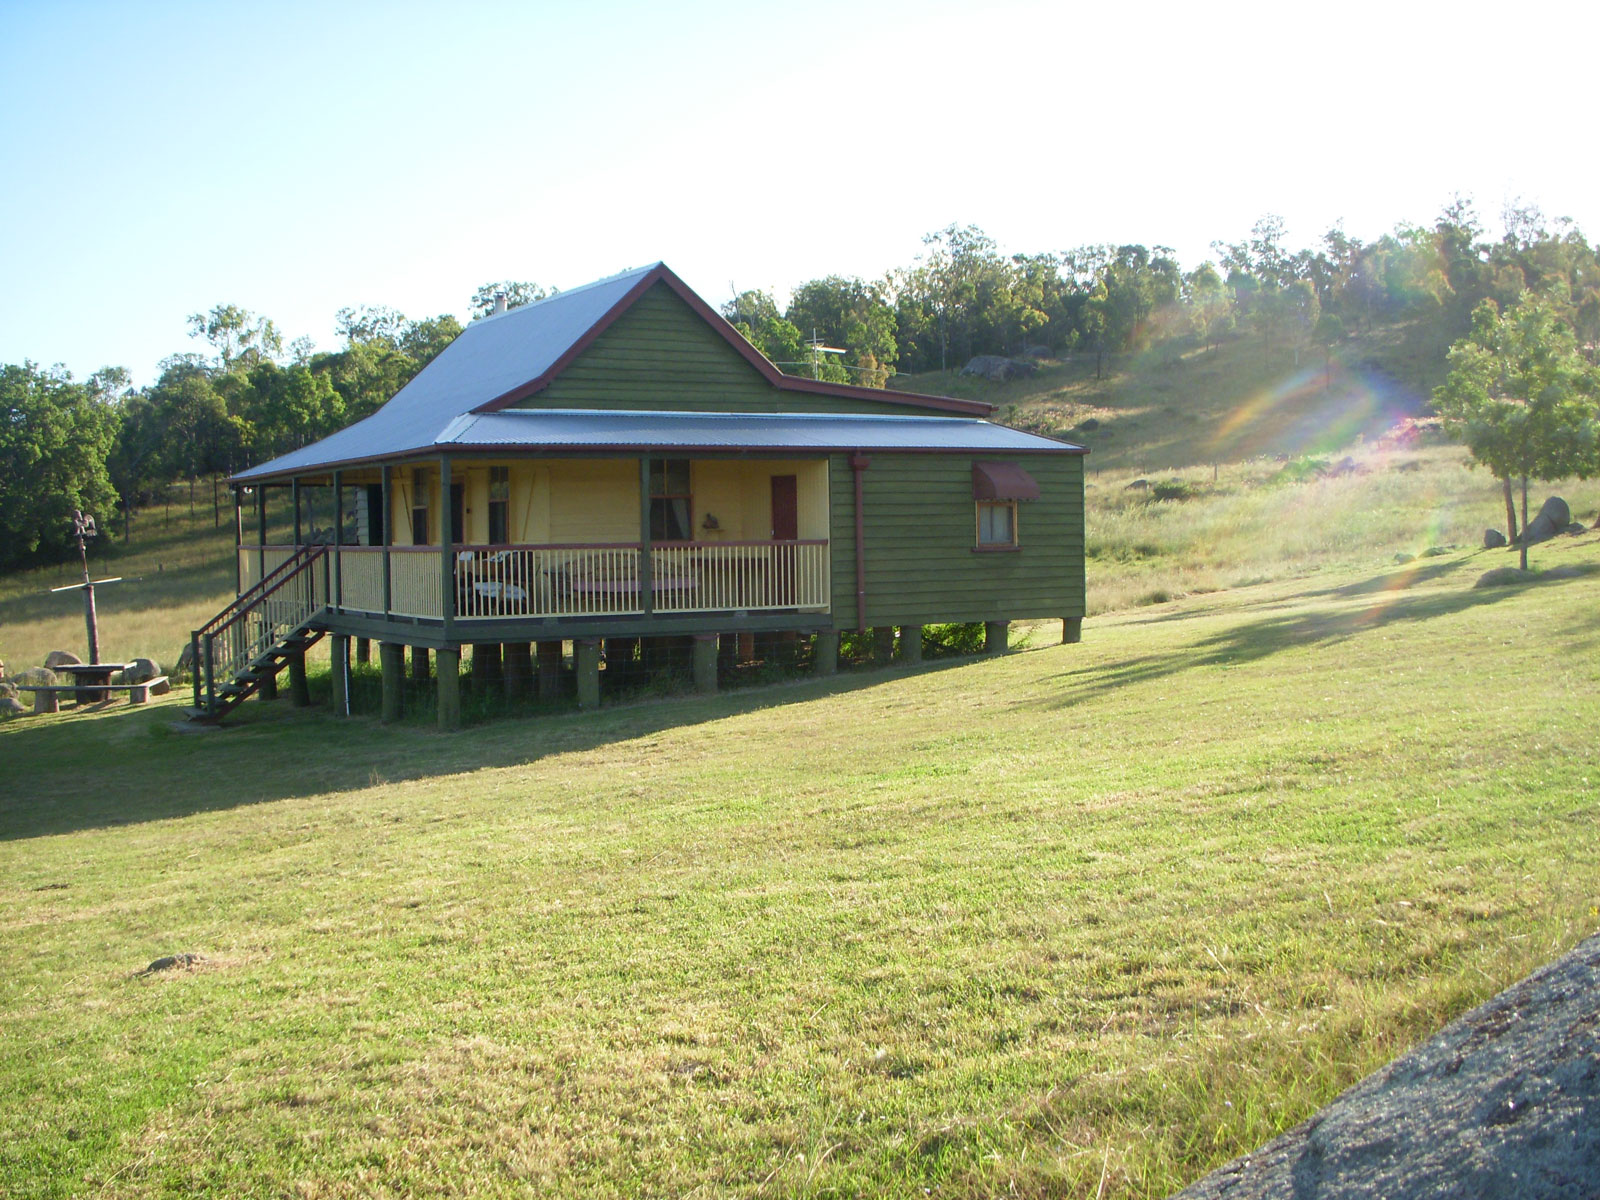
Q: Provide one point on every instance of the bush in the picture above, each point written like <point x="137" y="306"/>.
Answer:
<point x="948" y="641"/>
<point x="1173" y="489"/>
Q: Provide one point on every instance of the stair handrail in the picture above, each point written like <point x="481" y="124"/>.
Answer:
<point x="259" y="599"/>
<point x="268" y="582"/>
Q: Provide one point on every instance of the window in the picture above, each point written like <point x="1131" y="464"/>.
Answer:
<point x="499" y="505"/>
<point x="997" y="523"/>
<point x="419" y="507"/>
<point x="671" y="506"/>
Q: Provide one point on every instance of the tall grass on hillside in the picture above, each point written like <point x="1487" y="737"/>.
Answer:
<point x="1157" y="538"/>
<point x="177" y="572"/>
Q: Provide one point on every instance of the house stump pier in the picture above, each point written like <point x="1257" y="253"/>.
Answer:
<point x="339" y="646"/>
<point x="448" y="673"/>
<point x="392" y="662"/>
<point x="825" y="655"/>
<point x="549" y="654"/>
<point x="587" y="653"/>
<point x="1071" y="630"/>
<point x="996" y="636"/>
<point x="705" y="663"/>
<point x="299" y="691"/>
<point x="911" y="643"/>
<point x="269" y="685"/>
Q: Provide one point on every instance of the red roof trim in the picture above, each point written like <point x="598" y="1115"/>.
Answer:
<point x="661" y="273"/>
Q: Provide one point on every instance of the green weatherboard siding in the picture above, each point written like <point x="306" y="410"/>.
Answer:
<point x="660" y="355"/>
<point x="920" y="529"/>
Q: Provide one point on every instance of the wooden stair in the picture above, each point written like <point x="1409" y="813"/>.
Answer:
<point x="251" y="640"/>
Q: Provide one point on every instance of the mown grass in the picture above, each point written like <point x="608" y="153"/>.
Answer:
<point x="1084" y="921"/>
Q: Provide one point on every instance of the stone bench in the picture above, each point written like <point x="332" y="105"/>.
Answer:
<point x="47" y="697"/>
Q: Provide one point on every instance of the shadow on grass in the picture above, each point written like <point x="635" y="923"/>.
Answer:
<point x="151" y="765"/>
<point x="1253" y="640"/>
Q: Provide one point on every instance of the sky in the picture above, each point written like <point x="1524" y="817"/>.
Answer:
<point x="295" y="158"/>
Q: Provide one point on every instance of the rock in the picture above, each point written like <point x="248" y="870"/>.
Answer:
<point x="997" y="369"/>
<point x="8" y="691"/>
<point x="41" y="676"/>
<point x="1090" y="425"/>
<point x="61" y="658"/>
<point x="182" y="959"/>
<point x="1345" y="466"/>
<point x="1493" y="539"/>
<point x="1554" y="516"/>
<point x="162" y="688"/>
<point x="140" y="670"/>
<point x="1403" y="557"/>
<point x="1036" y="352"/>
<point x="10" y="706"/>
<point x="1575" y="527"/>
<point x="1138" y="485"/>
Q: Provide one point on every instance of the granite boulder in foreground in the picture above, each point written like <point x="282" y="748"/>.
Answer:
<point x="1502" y="1102"/>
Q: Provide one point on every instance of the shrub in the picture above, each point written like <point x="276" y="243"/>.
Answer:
<point x="1173" y="489"/>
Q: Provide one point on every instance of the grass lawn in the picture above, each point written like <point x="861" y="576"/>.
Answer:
<point x="1086" y="920"/>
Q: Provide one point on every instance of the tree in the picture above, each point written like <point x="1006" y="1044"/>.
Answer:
<point x="54" y="439"/>
<point x="517" y="293"/>
<point x="1523" y="399"/>
<point x="240" y="337"/>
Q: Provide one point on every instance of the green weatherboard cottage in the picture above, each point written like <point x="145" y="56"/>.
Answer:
<point x="616" y="466"/>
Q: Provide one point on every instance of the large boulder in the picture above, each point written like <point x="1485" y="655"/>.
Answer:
<point x="10" y="706"/>
<point x="997" y="369"/>
<point x="61" y="658"/>
<point x="36" y="676"/>
<point x="1493" y="539"/>
<point x="141" y="670"/>
<point x="8" y="691"/>
<point x="1554" y="517"/>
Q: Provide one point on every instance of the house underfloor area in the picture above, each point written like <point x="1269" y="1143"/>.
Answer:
<point x="461" y="683"/>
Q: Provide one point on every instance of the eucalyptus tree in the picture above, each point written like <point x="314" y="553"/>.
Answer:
<point x="1523" y="399"/>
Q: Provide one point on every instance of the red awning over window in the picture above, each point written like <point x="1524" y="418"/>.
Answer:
<point x="1002" y="481"/>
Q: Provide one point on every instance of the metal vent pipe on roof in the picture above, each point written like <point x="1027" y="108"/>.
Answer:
<point x="499" y="303"/>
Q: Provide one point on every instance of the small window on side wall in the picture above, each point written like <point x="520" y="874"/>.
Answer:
<point x="997" y="524"/>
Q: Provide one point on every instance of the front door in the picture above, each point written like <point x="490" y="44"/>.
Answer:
<point x="785" y="528"/>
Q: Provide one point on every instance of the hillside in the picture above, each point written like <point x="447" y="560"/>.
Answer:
<point x="1084" y="921"/>
<point x="1168" y="410"/>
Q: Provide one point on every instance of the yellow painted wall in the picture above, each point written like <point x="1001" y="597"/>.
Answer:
<point x="593" y="500"/>
<point x="597" y="500"/>
<point x="739" y="494"/>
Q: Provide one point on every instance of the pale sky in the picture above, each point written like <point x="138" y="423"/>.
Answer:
<point x="293" y="158"/>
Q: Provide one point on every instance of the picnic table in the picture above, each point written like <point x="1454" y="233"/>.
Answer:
<point x="90" y="675"/>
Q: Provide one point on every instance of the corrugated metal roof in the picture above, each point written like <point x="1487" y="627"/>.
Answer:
<point x="463" y="392"/>
<point x="609" y="428"/>
<point x="491" y="357"/>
